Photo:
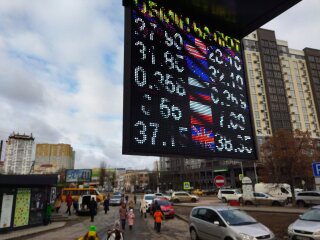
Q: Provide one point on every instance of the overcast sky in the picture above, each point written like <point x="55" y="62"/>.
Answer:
<point x="61" y="72"/>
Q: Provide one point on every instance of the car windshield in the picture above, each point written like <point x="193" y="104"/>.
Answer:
<point x="149" y="197"/>
<point x="116" y="197"/>
<point x="163" y="203"/>
<point x="312" y="215"/>
<point x="236" y="217"/>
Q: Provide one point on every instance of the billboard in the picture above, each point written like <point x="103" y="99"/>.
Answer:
<point x="185" y="91"/>
<point x="78" y="175"/>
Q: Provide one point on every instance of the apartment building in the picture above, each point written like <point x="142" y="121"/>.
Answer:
<point x="18" y="155"/>
<point x="57" y="155"/>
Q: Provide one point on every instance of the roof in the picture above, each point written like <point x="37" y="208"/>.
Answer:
<point x="235" y="17"/>
<point x="218" y="207"/>
<point x="27" y="180"/>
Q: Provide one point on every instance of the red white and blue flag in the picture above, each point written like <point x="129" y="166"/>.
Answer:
<point x="200" y="114"/>
<point x="203" y="136"/>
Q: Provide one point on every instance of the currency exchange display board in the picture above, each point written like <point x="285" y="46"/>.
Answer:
<point x="184" y="91"/>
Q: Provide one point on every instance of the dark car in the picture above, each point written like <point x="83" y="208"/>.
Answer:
<point x="165" y="207"/>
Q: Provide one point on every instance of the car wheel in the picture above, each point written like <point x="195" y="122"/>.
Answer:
<point x="224" y="200"/>
<point x="276" y="204"/>
<point x="193" y="200"/>
<point x="193" y="234"/>
<point x="301" y="204"/>
<point x="176" y="200"/>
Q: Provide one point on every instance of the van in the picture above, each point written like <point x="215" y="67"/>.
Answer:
<point x="278" y="190"/>
<point x="83" y="204"/>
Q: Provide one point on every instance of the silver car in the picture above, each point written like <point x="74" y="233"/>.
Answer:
<point x="227" y="223"/>
<point x="115" y="200"/>
<point x="307" y="227"/>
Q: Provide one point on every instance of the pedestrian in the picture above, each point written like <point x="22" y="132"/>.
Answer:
<point x="127" y="198"/>
<point x="93" y="207"/>
<point x="123" y="215"/>
<point x="115" y="233"/>
<point x="91" y="234"/>
<point x="131" y="204"/>
<point x="158" y="219"/>
<point x="48" y="213"/>
<point x="144" y="211"/>
<point x="135" y="199"/>
<point x="131" y="218"/>
<point x="106" y="204"/>
<point x="57" y="203"/>
<point x="69" y="203"/>
<point x="75" y="205"/>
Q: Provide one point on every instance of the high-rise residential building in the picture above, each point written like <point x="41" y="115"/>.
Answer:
<point x="284" y="92"/>
<point x="283" y="85"/>
<point x="57" y="155"/>
<point x="18" y="156"/>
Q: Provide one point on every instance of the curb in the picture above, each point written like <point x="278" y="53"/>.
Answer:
<point x="181" y="218"/>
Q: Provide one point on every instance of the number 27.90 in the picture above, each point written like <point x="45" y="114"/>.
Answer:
<point x="144" y="131"/>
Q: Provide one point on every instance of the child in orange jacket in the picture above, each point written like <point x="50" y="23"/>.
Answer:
<point x="158" y="219"/>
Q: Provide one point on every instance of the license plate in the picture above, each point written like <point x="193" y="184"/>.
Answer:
<point x="302" y="238"/>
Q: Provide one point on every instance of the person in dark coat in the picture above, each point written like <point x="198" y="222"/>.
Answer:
<point x="135" y="199"/>
<point x="106" y="204"/>
<point x="93" y="207"/>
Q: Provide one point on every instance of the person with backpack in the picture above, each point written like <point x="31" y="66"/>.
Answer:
<point x="158" y="219"/>
<point x="91" y="234"/>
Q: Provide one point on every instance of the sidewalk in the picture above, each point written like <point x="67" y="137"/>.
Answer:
<point x="29" y="231"/>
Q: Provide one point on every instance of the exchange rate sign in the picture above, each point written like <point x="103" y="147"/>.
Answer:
<point x="185" y="91"/>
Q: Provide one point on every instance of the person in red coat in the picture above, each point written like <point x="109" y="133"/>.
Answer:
<point x="158" y="218"/>
<point x="69" y="203"/>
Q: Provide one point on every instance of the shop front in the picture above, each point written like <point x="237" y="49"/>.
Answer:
<point x="23" y="200"/>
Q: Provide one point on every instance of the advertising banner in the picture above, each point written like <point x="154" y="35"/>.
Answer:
<point x="6" y="211"/>
<point x="78" y="175"/>
<point x="21" y="215"/>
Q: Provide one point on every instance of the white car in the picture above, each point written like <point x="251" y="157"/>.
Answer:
<point x="146" y="202"/>
<point x="225" y="195"/>
<point x="161" y="195"/>
<point x="307" y="227"/>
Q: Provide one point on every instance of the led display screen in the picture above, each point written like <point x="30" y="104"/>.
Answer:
<point x="185" y="91"/>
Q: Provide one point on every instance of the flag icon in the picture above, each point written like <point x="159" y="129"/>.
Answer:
<point x="203" y="136"/>
<point x="198" y="50"/>
<point x="201" y="114"/>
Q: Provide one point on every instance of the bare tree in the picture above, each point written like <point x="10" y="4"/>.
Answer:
<point x="102" y="173"/>
<point x="287" y="158"/>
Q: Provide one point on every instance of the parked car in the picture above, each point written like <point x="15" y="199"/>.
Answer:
<point x="183" y="197"/>
<point x="225" y="195"/>
<point x="306" y="198"/>
<point x="224" y="222"/>
<point x="115" y="200"/>
<point x="307" y="226"/>
<point x="213" y="191"/>
<point x="161" y="195"/>
<point x="165" y="207"/>
<point x="146" y="202"/>
<point x="260" y="198"/>
<point x="197" y="192"/>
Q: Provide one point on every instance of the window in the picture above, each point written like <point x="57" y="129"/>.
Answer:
<point x="212" y="216"/>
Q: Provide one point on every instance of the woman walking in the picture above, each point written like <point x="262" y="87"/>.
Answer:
<point x="123" y="215"/>
<point x="106" y="204"/>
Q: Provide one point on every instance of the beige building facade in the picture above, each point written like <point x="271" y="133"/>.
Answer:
<point x="57" y="155"/>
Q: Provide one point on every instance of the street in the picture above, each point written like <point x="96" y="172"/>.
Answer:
<point x="142" y="229"/>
